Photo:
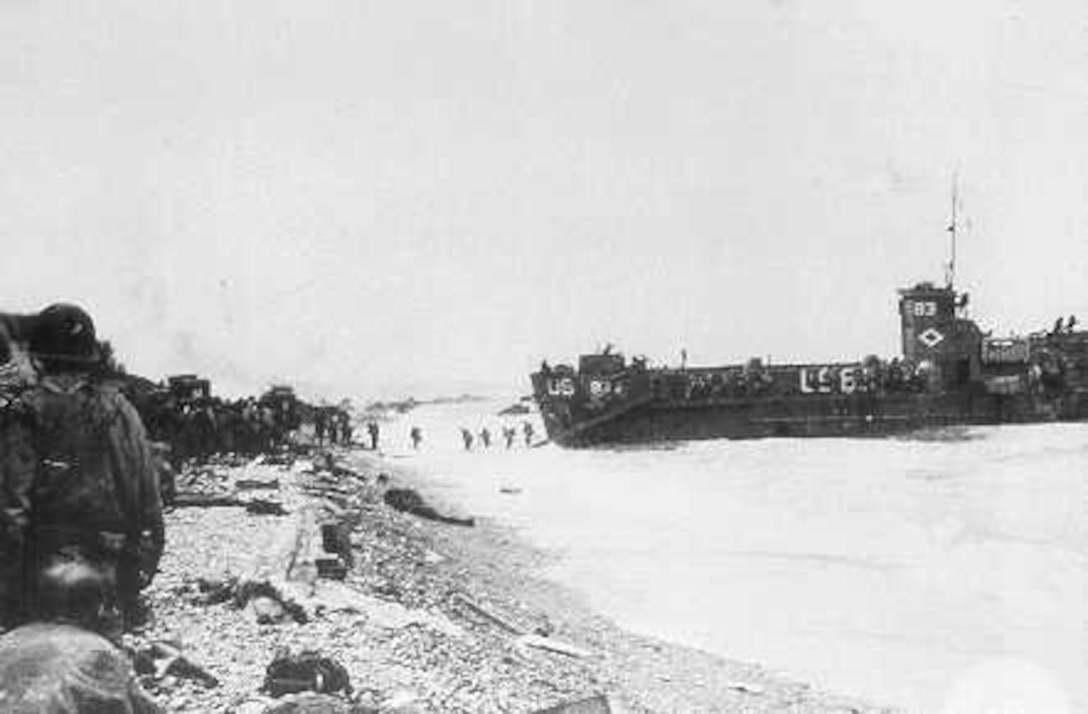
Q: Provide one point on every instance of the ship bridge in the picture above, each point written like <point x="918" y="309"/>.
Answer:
<point x="934" y="333"/>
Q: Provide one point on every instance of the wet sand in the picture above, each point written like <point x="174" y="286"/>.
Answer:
<point x="638" y="673"/>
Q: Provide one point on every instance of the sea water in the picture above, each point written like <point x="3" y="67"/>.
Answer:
<point x="939" y="574"/>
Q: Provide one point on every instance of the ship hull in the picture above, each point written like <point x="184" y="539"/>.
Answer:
<point x="807" y="416"/>
<point x="950" y="373"/>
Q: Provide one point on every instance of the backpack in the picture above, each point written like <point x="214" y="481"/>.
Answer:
<point x="306" y="671"/>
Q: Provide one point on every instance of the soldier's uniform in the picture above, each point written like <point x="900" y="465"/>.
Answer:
<point x="90" y="487"/>
<point x="17" y="459"/>
<point x="61" y="669"/>
<point x="64" y="664"/>
<point x="96" y="487"/>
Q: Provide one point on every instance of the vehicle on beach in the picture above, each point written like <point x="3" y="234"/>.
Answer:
<point x="189" y="388"/>
<point x="949" y="373"/>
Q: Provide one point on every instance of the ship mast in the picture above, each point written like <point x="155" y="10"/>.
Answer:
<point x="950" y="269"/>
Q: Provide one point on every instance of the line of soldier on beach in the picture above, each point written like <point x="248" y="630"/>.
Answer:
<point x="332" y="425"/>
<point x="201" y="425"/>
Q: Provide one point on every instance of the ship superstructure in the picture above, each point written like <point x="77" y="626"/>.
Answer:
<point x="949" y="373"/>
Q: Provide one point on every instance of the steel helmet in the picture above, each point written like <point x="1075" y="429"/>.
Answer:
<point x="65" y="333"/>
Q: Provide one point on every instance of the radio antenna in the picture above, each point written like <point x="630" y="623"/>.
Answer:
<point x="950" y="269"/>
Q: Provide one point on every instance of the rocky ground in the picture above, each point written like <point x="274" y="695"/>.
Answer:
<point x="423" y="616"/>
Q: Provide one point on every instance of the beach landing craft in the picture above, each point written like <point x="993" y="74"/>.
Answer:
<point x="949" y="374"/>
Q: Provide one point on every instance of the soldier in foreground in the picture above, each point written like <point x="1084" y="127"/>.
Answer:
<point x="62" y="663"/>
<point x="16" y="457"/>
<point x="80" y="482"/>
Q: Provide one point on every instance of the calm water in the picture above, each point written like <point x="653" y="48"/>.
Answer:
<point x="941" y="576"/>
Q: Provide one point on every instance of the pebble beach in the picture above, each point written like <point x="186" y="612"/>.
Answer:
<point x="425" y="617"/>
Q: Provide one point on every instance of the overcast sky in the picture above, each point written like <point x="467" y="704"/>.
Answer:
<point x="366" y="197"/>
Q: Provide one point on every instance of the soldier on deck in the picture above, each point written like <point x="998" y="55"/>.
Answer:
<point x="83" y="484"/>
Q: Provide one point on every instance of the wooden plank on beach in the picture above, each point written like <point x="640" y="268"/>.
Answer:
<point x="593" y="705"/>
<point x="547" y="643"/>
<point x="481" y="610"/>
<point x="185" y="501"/>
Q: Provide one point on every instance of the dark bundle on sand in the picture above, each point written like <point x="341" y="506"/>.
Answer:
<point x="409" y="501"/>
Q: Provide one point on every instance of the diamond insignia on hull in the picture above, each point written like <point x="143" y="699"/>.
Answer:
<point x="930" y="338"/>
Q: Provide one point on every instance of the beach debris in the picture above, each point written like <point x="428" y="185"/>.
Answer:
<point x="165" y="659"/>
<point x="305" y="671"/>
<point x="331" y="568"/>
<point x="336" y="539"/>
<point x="593" y="705"/>
<point x="215" y="589"/>
<point x="479" y="609"/>
<point x="433" y="558"/>
<point x="329" y="596"/>
<point x="746" y="687"/>
<point x="313" y="703"/>
<point x="267" y="610"/>
<point x="547" y="643"/>
<point x="393" y="615"/>
<point x="268" y="604"/>
<point x="250" y="484"/>
<point x="306" y="549"/>
<point x="201" y="501"/>
<point x="262" y="507"/>
<point x="255" y="704"/>
<point x="401" y="702"/>
<point x="321" y="550"/>
<point x="409" y="501"/>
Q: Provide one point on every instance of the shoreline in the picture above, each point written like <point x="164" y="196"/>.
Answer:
<point x="642" y="673"/>
<point x="429" y="616"/>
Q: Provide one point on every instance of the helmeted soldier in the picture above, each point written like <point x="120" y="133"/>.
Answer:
<point x="16" y="460"/>
<point x="91" y="488"/>
<point x="66" y="662"/>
